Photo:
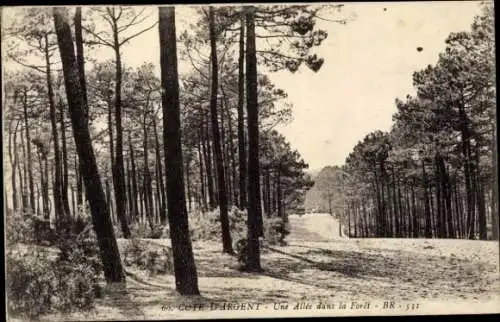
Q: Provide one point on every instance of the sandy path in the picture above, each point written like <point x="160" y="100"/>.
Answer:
<point x="313" y="228"/>
<point x="319" y="266"/>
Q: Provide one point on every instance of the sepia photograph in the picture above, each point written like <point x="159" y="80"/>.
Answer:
<point x="250" y="160"/>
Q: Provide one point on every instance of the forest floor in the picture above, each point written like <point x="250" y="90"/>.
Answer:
<point x="438" y="275"/>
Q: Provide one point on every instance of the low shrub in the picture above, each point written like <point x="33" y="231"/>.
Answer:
<point x="146" y="256"/>
<point x="275" y="230"/>
<point x="144" y="231"/>
<point x="206" y="226"/>
<point x="27" y="228"/>
<point x="61" y="278"/>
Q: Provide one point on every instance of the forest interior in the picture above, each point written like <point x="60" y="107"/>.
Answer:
<point x="165" y="187"/>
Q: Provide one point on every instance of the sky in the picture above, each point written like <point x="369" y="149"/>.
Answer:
<point x="369" y="62"/>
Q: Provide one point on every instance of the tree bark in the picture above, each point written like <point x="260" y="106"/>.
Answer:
<point x="221" y="178"/>
<point x="242" y="159"/>
<point x="64" y="187"/>
<point x="57" y="184"/>
<point x="118" y="166"/>
<point x="254" y="205"/>
<point x="134" y="180"/>
<point x="163" y="209"/>
<point x="83" y="83"/>
<point x="208" y="167"/>
<point x="109" y="253"/>
<point x="186" y="279"/>
<point x="28" y="148"/>
<point x="495" y="213"/>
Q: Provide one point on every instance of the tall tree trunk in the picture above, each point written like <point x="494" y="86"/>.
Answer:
<point x="141" y="201"/>
<point x="395" y="204"/>
<point x="56" y="187"/>
<point x="109" y="253"/>
<point x="64" y="187"/>
<point x="233" y="161"/>
<point x="158" y="196"/>
<point x="221" y="180"/>
<point x="131" y="196"/>
<point x="134" y="179"/>
<point x="202" y="177"/>
<point x="439" y="198"/>
<point x="73" y="204"/>
<point x="415" y="225"/>
<point x="188" y="181"/>
<point x="267" y="192"/>
<point x="147" y="175"/>
<point x="447" y="197"/>
<point x="163" y="209"/>
<point x="28" y="148"/>
<point x="83" y="83"/>
<point x="186" y="279"/>
<point x="254" y="205"/>
<point x="427" y="210"/>
<point x="13" y="165"/>
<point x="480" y="199"/>
<point x="224" y="153"/>
<point x="24" y="186"/>
<point x="118" y="166"/>
<point x="465" y="149"/>
<point x="495" y="213"/>
<point x="242" y="159"/>
<point x="208" y="166"/>
<point x="108" y="199"/>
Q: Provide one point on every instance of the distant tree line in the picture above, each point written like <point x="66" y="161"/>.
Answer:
<point x="434" y="173"/>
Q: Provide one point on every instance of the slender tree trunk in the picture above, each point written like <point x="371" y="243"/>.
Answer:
<point x="232" y="157"/>
<point x="134" y="179"/>
<point x="48" y="204"/>
<point x="163" y="209"/>
<point x="242" y="159"/>
<point x="79" y="183"/>
<point x="186" y="279"/>
<point x="448" y="195"/>
<point x="57" y="184"/>
<point x="415" y="225"/>
<point x="224" y="153"/>
<point x="188" y="182"/>
<point x="439" y="199"/>
<point x="221" y="180"/>
<point x="141" y="202"/>
<point x="118" y="166"/>
<point x="130" y="198"/>
<point x="267" y="192"/>
<point x="73" y="204"/>
<point x="13" y="165"/>
<point x="147" y="175"/>
<point x="108" y="199"/>
<point x="109" y="253"/>
<point x="254" y="205"/>
<point x="480" y="197"/>
<point x="208" y="166"/>
<point x="159" y="196"/>
<point x="428" y="223"/>
<point x="465" y="149"/>
<point x="81" y="74"/>
<point x="64" y="187"/>
<point x="202" y="178"/>
<point x="495" y="213"/>
<point x="24" y="186"/>
<point x="28" y="147"/>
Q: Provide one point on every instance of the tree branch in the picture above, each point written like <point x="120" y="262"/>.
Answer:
<point x="40" y="69"/>
<point x="138" y="33"/>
